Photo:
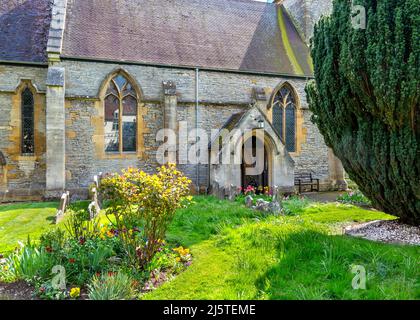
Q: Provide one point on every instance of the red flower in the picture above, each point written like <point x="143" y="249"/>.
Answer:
<point x="82" y="241"/>
<point x="42" y="289"/>
<point x="49" y="249"/>
<point x="98" y="274"/>
<point x="71" y="260"/>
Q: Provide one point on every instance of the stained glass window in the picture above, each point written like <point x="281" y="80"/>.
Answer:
<point x="284" y="116"/>
<point x="120" y="116"/>
<point x="28" y="123"/>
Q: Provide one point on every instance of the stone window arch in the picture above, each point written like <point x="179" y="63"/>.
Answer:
<point x="285" y="114"/>
<point x="27" y="121"/>
<point x="121" y="114"/>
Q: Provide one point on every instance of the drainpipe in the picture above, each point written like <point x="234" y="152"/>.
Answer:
<point x="196" y="125"/>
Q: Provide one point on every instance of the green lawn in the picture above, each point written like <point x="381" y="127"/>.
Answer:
<point x="18" y="221"/>
<point x="238" y="255"/>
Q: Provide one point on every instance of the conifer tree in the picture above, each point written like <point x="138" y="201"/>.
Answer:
<point x="365" y="98"/>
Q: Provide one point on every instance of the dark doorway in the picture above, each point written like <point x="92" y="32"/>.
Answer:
<point x="255" y="181"/>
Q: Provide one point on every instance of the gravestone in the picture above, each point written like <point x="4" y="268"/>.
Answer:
<point x="64" y="202"/>
<point x="94" y="207"/>
<point x="249" y="201"/>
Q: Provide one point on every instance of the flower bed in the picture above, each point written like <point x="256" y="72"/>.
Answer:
<point x="117" y="255"/>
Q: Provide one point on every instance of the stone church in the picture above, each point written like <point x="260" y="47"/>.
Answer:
<point x="86" y="86"/>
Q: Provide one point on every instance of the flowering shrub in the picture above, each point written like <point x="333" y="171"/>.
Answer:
<point x="135" y="199"/>
<point x="112" y="259"/>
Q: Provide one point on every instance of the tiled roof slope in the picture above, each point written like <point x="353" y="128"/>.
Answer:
<point x="242" y="35"/>
<point x="24" y="26"/>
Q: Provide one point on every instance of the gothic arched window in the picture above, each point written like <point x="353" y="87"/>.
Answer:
<point x="28" y="123"/>
<point x="284" y="116"/>
<point x="120" y="116"/>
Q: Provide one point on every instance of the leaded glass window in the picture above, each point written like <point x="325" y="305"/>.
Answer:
<point x="28" y="123"/>
<point x="120" y="116"/>
<point x="284" y="116"/>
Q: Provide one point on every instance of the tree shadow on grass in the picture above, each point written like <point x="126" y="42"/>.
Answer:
<point x="318" y="266"/>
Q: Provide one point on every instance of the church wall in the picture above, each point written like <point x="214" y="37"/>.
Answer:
<point x="23" y="177"/>
<point x="220" y="94"/>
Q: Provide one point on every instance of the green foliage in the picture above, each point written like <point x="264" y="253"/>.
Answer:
<point x="136" y="199"/>
<point x="295" y="204"/>
<point x="354" y="197"/>
<point x="243" y="256"/>
<point x="30" y="263"/>
<point x="46" y="291"/>
<point x="83" y="259"/>
<point x="79" y="225"/>
<point x="111" y="286"/>
<point x="365" y="99"/>
<point x="54" y="239"/>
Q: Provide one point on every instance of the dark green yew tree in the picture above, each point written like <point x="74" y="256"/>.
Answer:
<point x="365" y="99"/>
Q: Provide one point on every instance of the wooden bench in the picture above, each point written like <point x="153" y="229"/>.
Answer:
<point x="303" y="179"/>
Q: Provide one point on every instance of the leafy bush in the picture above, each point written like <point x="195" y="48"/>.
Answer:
<point x="83" y="258"/>
<point x="28" y="263"/>
<point x="79" y="225"/>
<point x="136" y="199"/>
<point x="53" y="240"/>
<point x="354" y="197"/>
<point x="111" y="286"/>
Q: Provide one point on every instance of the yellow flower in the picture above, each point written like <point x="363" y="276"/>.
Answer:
<point x="178" y="259"/>
<point x="5" y="268"/>
<point x="75" y="293"/>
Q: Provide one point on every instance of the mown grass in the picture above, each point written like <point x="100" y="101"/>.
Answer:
<point x="240" y="255"/>
<point x="18" y="221"/>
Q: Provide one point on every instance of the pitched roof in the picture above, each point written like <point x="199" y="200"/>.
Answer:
<point x="237" y="35"/>
<point x="233" y="35"/>
<point x="24" y="26"/>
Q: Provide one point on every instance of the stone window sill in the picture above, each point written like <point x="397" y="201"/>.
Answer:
<point x="27" y="157"/>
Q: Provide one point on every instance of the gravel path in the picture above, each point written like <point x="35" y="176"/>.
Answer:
<point x="386" y="231"/>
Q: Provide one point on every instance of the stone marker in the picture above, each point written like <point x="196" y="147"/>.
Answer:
<point x="275" y="208"/>
<point x="94" y="207"/>
<point x="249" y="201"/>
<point x="64" y="202"/>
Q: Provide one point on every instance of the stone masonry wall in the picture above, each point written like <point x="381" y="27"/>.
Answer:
<point x="220" y="96"/>
<point x="23" y="178"/>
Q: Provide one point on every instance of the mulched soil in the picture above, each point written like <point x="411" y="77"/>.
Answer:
<point x="16" y="291"/>
<point x="386" y="231"/>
